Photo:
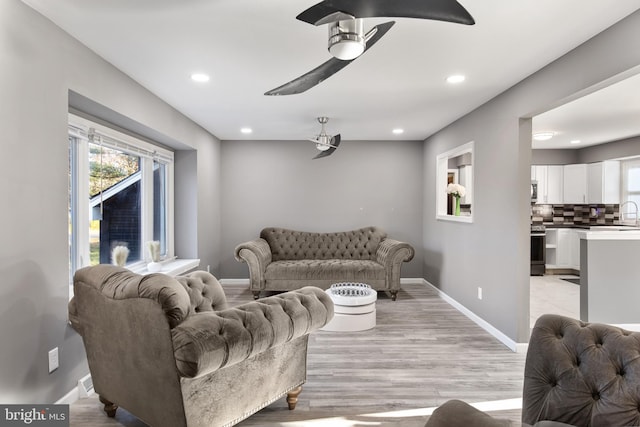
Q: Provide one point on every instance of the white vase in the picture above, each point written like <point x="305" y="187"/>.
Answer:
<point x="154" y="267"/>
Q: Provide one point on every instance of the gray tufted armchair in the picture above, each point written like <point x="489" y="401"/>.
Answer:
<point x="171" y="352"/>
<point x="576" y="374"/>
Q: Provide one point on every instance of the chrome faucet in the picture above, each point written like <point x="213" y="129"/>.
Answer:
<point x="622" y="212"/>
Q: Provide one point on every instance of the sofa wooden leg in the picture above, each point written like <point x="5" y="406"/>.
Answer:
<point x="256" y="294"/>
<point x="109" y="407"/>
<point x="394" y="295"/>
<point x="292" y="397"/>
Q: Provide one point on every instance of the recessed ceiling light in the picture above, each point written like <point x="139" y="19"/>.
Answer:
<point x="200" y="77"/>
<point x="456" y="78"/>
<point x="543" y="136"/>
<point x="576" y="141"/>
<point x="398" y="131"/>
<point x="246" y="130"/>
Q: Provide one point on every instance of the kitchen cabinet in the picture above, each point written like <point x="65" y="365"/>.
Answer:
<point x="562" y="248"/>
<point x="550" y="183"/>
<point x="603" y="182"/>
<point x="575" y="184"/>
<point x="555" y="184"/>
<point x="539" y="174"/>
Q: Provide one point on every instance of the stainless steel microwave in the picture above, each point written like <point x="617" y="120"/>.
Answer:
<point x="534" y="191"/>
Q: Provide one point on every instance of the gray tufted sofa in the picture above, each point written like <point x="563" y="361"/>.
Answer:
<point x="171" y="352"/>
<point x="282" y="259"/>
<point x="576" y="374"/>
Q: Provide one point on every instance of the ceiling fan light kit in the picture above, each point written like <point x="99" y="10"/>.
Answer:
<point x="347" y="39"/>
<point x="325" y="143"/>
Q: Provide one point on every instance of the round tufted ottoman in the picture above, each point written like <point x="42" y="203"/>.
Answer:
<point x="354" y="307"/>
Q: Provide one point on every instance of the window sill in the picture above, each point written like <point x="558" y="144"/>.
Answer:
<point x="172" y="267"/>
<point x="453" y="218"/>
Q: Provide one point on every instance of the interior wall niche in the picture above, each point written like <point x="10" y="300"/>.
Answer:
<point x="455" y="166"/>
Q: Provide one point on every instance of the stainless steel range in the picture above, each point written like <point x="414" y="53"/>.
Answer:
<point x="538" y="250"/>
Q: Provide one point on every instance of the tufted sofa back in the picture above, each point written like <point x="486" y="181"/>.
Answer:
<point x="582" y="374"/>
<point x="359" y="244"/>
<point x="179" y="297"/>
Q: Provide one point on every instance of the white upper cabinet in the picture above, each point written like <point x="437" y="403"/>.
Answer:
<point x="539" y="174"/>
<point x="550" y="183"/>
<point x="593" y="183"/>
<point x="575" y="184"/>
<point x="603" y="182"/>
<point x="555" y="184"/>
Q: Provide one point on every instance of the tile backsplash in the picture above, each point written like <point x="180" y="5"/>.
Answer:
<point x="575" y="214"/>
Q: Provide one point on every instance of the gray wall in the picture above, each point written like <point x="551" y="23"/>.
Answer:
<point x="39" y="66"/>
<point x="596" y="153"/>
<point x="554" y="157"/>
<point x="276" y="183"/>
<point x="612" y="150"/>
<point x="494" y="250"/>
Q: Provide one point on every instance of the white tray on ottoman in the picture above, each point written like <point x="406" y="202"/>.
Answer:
<point x="354" y="307"/>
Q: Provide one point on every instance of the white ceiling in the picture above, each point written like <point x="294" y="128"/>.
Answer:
<point x="609" y="114"/>
<point x="251" y="46"/>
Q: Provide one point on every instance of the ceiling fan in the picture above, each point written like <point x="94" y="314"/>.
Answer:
<point x="347" y="39"/>
<point x="327" y="144"/>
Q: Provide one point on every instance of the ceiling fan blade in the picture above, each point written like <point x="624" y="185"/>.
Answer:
<point x="440" y="10"/>
<point x="329" y="68"/>
<point x="335" y="142"/>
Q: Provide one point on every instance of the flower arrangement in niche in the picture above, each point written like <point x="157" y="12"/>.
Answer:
<point x="119" y="255"/>
<point x="457" y="191"/>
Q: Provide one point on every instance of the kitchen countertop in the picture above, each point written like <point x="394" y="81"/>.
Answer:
<point x="610" y="234"/>
<point x="601" y="232"/>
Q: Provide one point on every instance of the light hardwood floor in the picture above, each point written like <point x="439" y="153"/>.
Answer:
<point x="422" y="353"/>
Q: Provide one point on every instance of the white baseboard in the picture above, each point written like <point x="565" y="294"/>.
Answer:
<point x="412" y="281"/>
<point x="82" y="390"/>
<point x="511" y="344"/>
<point x="225" y="282"/>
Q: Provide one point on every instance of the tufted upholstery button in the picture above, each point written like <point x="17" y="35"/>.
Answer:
<point x="595" y="395"/>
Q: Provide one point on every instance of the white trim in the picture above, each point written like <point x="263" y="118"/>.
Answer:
<point x="511" y="344"/>
<point x="225" y="282"/>
<point x="442" y="168"/>
<point x="171" y="267"/>
<point x="111" y="138"/>
<point x="412" y="281"/>
<point x="453" y="218"/>
<point x="69" y="398"/>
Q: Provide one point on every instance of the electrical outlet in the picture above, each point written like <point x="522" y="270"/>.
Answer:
<point x="53" y="359"/>
<point x="479" y="293"/>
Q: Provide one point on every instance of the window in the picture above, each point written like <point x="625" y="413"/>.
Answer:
<point x="630" y="188"/>
<point x="120" y="194"/>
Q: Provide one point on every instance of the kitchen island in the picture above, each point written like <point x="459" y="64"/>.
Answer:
<point x="610" y="275"/>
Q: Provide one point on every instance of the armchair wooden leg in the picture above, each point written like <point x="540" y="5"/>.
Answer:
<point x="256" y="294"/>
<point x="109" y="407"/>
<point x="292" y="397"/>
<point x="394" y="295"/>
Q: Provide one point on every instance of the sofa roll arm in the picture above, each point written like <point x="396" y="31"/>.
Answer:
<point x="257" y="254"/>
<point x="392" y="252"/>
<point x="208" y="341"/>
